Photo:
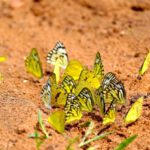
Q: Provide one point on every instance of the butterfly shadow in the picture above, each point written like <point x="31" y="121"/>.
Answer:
<point x="95" y="117"/>
<point x="68" y="127"/>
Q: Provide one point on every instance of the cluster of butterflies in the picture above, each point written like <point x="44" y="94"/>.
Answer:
<point x="80" y="89"/>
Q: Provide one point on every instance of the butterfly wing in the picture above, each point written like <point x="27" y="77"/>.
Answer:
<point x="57" y="120"/>
<point x="99" y="99"/>
<point x="46" y="94"/>
<point x="89" y="78"/>
<point x="72" y="109"/>
<point x="58" y="55"/>
<point x="145" y="65"/>
<point x="73" y="69"/>
<point x="86" y="100"/>
<point x="113" y="88"/>
<point x="135" y="111"/>
<point x="98" y="69"/>
<point x="68" y="85"/>
<point x="110" y="115"/>
<point x="33" y="64"/>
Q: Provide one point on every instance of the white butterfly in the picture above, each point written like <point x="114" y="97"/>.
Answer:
<point x="58" y="55"/>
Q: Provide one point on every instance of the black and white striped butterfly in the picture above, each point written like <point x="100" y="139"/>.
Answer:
<point x="58" y="55"/>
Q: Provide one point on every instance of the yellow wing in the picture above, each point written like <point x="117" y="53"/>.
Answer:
<point x="57" y="120"/>
<point x="110" y="115"/>
<point x="113" y="89"/>
<point x="73" y="69"/>
<point x="86" y="100"/>
<point x="33" y="64"/>
<point x="135" y="111"/>
<point x="89" y="78"/>
<point x="68" y="85"/>
<point x="145" y="65"/>
<point x="98" y="69"/>
<point x="72" y="109"/>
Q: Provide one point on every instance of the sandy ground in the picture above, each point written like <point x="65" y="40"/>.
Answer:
<point x="118" y="29"/>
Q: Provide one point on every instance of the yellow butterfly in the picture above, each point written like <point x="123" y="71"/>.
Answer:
<point x="86" y="100"/>
<point x="113" y="89"/>
<point x="57" y="120"/>
<point x="73" y="69"/>
<point x="110" y="115"/>
<point x="59" y="58"/>
<point x="145" y="65"/>
<point x="98" y="69"/>
<point x="89" y="78"/>
<point x="68" y="85"/>
<point x="33" y="64"/>
<point x="72" y="109"/>
<point x="135" y="111"/>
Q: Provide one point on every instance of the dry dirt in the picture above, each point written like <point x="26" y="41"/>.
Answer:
<point x="118" y="29"/>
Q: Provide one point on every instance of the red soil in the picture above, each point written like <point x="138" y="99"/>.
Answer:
<point x="119" y="30"/>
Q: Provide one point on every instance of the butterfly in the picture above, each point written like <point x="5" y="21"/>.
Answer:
<point x="46" y="94"/>
<point x="86" y="100"/>
<point x="110" y="114"/>
<point x="99" y="99"/>
<point x="58" y="54"/>
<point x="88" y="78"/>
<point x="145" y="65"/>
<point x="33" y="64"/>
<point x="57" y="120"/>
<point x="68" y="84"/>
<point x="73" y="69"/>
<point x="98" y="69"/>
<point x="134" y="112"/>
<point x="113" y="89"/>
<point x="72" y="108"/>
